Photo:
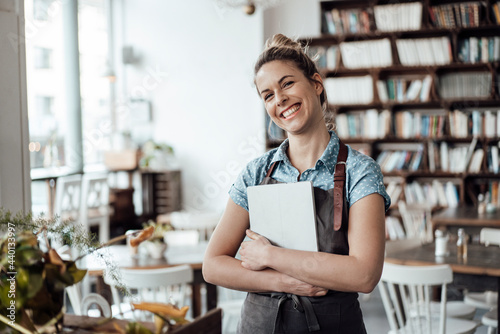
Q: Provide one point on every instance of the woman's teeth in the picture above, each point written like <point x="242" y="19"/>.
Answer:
<point x="291" y="111"/>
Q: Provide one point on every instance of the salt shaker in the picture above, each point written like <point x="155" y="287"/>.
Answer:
<point x="441" y="241"/>
<point x="462" y="244"/>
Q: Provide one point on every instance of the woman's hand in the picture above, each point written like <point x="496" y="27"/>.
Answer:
<point x="253" y="253"/>
<point x="297" y="287"/>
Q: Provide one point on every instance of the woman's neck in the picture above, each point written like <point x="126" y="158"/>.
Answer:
<point x="305" y="149"/>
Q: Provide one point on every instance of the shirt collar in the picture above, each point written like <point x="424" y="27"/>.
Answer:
<point x="328" y="158"/>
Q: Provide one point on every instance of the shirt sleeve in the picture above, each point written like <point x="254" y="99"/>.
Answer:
<point x="366" y="178"/>
<point x="251" y="175"/>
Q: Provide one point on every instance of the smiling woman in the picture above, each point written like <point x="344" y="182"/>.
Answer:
<point x="296" y="291"/>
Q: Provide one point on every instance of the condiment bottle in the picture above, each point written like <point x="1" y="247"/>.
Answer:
<point x="462" y="244"/>
<point x="441" y="241"/>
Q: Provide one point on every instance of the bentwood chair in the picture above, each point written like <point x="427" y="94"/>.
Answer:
<point x="164" y="285"/>
<point x="406" y="294"/>
<point x="94" y="208"/>
<point x="486" y="300"/>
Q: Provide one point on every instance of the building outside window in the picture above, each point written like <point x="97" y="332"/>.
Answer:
<point x="48" y="111"/>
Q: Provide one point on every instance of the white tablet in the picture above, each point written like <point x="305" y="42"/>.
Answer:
<point x="285" y="214"/>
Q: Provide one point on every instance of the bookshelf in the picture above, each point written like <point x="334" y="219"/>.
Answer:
<point x="415" y="85"/>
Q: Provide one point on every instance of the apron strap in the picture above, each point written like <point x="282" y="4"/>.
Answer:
<point x="301" y="304"/>
<point x="339" y="177"/>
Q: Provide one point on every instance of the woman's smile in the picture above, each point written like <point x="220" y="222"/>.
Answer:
<point x="291" y="111"/>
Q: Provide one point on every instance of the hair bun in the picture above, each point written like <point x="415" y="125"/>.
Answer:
<point x="282" y="41"/>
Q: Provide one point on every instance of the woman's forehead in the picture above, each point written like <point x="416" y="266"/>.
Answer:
<point x="274" y="70"/>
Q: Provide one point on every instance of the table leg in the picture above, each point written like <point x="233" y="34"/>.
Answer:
<point x="211" y="296"/>
<point x="196" y="300"/>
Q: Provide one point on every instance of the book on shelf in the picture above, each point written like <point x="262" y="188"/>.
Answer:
<point x="425" y="91"/>
<point x="466" y="14"/>
<point x="479" y="49"/>
<point x="346" y="21"/>
<point x="398" y="17"/>
<point x="496" y="12"/>
<point x="394" y="229"/>
<point x="493" y="159"/>
<point x="404" y="89"/>
<point x="365" y="54"/>
<point x="382" y="91"/>
<point x="469" y="154"/>
<point x="419" y="124"/>
<point x="476" y="160"/>
<point x="494" y="193"/>
<point x="479" y="123"/>
<point x="424" y="51"/>
<point x="326" y="57"/>
<point x="349" y="90"/>
<point x="452" y="197"/>
<point x="462" y="85"/>
<point x="430" y="193"/>
<point x="394" y="190"/>
<point x="400" y="160"/>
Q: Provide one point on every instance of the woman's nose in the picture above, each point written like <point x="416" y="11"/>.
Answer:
<point x="281" y="98"/>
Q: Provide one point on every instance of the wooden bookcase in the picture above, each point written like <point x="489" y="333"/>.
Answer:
<point x="453" y="49"/>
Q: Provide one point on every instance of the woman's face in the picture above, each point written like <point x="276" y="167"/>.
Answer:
<point x="291" y="100"/>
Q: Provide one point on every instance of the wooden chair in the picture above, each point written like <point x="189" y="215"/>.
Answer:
<point x="454" y="309"/>
<point x="68" y="197"/>
<point x="164" y="285"/>
<point x="486" y="300"/>
<point x="181" y="237"/>
<point x="83" y="306"/>
<point x="406" y="295"/>
<point x="203" y="222"/>
<point x="490" y="319"/>
<point x="231" y="302"/>
<point x="94" y="208"/>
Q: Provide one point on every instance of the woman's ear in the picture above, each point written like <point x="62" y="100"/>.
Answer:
<point x="318" y="83"/>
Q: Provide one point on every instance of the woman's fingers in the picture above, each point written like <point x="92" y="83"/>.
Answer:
<point x="252" y="235"/>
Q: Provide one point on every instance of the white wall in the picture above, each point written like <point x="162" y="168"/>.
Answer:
<point x="196" y="63"/>
<point x="15" y="182"/>
<point x="294" y="18"/>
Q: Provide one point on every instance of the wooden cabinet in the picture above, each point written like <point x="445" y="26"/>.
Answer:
<point x="161" y="193"/>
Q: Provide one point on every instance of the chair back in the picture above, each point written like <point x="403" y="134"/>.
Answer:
<point x="95" y="203"/>
<point x="203" y="222"/>
<point x="181" y="237"/>
<point x="163" y="285"/>
<point x="68" y="197"/>
<point x="489" y="236"/>
<point x="417" y="220"/>
<point x="406" y="294"/>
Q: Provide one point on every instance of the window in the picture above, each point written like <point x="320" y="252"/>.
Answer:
<point x="45" y="104"/>
<point x="43" y="58"/>
<point x="41" y="9"/>
<point x="95" y="88"/>
<point x="52" y="125"/>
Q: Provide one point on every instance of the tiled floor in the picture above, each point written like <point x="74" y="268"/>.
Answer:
<point x="376" y="320"/>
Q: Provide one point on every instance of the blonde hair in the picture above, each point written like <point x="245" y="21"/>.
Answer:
<point x="282" y="48"/>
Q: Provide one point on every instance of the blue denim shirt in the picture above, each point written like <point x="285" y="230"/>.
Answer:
<point x="364" y="176"/>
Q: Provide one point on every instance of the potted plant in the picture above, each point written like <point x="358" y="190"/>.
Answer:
<point x="155" y="245"/>
<point x="33" y="276"/>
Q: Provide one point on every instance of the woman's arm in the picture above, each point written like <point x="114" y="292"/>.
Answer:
<point x="359" y="271"/>
<point x="221" y="268"/>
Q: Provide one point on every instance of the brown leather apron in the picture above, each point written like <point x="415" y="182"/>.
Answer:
<point x="337" y="312"/>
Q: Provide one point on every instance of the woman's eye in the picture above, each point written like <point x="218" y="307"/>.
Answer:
<point x="288" y="83"/>
<point x="267" y="97"/>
